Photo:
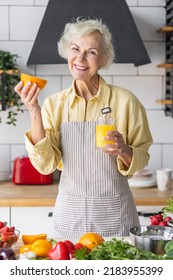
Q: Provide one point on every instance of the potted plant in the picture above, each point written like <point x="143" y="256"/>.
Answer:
<point x="9" y="77"/>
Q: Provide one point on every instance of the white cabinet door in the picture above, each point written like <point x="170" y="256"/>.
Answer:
<point x="32" y="220"/>
<point x="145" y="212"/>
<point x="5" y="215"/>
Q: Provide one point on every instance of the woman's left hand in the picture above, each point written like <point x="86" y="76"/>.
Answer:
<point x="118" y="147"/>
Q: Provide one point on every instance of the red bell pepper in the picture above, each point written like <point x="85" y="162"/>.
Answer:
<point x="59" y="252"/>
<point x="71" y="248"/>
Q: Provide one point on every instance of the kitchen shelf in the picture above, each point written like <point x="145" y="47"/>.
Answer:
<point x="168" y="65"/>
<point x="165" y="65"/>
<point x="9" y="72"/>
<point x="164" y="101"/>
<point x="165" y="29"/>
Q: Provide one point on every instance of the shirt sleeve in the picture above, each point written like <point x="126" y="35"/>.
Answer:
<point x="139" y="138"/>
<point x="45" y="155"/>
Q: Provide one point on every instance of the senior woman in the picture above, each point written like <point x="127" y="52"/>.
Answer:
<point x="94" y="195"/>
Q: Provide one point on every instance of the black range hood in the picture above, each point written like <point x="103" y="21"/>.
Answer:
<point x="128" y="45"/>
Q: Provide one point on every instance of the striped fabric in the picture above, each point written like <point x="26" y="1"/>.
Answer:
<point x="93" y="195"/>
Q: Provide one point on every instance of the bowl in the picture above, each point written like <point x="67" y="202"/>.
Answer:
<point x="152" y="238"/>
<point x="143" y="174"/>
<point x="9" y="239"/>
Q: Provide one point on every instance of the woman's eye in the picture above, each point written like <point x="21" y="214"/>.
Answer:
<point x="75" y="49"/>
<point x="92" y="52"/>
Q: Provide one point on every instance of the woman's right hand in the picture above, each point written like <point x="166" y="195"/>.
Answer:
<point x="29" y="96"/>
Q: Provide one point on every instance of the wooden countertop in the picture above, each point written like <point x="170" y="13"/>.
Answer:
<point x="27" y="195"/>
<point x="12" y="195"/>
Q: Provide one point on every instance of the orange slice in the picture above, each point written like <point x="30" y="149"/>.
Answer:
<point x="91" y="240"/>
<point x="29" y="239"/>
<point x="33" y="79"/>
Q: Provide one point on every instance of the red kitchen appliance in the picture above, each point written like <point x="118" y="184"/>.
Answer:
<point x="24" y="173"/>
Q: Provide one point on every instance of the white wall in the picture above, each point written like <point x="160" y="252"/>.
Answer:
<point x="20" y="21"/>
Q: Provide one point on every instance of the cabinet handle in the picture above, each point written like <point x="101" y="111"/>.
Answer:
<point x="50" y="214"/>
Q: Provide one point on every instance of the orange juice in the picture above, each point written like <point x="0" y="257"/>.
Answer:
<point x="101" y="130"/>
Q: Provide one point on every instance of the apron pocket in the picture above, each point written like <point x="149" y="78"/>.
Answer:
<point x="101" y="215"/>
<point x="70" y="213"/>
<point x="104" y="215"/>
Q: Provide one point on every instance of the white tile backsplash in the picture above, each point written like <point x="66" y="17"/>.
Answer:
<point x="41" y="2"/>
<point x="146" y="88"/>
<point x="22" y="49"/>
<point x="161" y="126"/>
<point x="29" y="18"/>
<point x="18" y="151"/>
<point x="148" y="20"/>
<point x="14" y="134"/>
<point x="151" y="3"/>
<point x="168" y="155"/>
<point x="21" y="21"/>
<point x="53" y="85"/>
<point x="155" y="161"/>
<point x="4" y="26"/>
<point x="17" y="2"/>
<point x="156" y="51"/>
<point x="4" y="155"/>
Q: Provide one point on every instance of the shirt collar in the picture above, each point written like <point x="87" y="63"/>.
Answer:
<point x="103" y="93"/>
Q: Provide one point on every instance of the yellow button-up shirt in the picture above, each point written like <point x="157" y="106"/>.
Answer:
<point x="127" y="111"/>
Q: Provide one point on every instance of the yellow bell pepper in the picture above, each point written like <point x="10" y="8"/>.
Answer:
<point x="41" y="247"/>
<point x="25" y="248"/>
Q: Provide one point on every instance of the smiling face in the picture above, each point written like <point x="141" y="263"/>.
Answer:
<point x="85" y="56"/>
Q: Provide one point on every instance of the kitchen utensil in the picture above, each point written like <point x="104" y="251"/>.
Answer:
<point x="151" y="238"/>
<point x="24" y="173"/>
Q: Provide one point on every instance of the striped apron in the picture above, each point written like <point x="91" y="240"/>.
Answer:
<point x="93" y="195"/>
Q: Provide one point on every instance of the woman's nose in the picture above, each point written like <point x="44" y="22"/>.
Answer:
<point x="81" y="56"/>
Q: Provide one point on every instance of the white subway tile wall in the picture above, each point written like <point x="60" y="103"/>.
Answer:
<point x="21" y="21"/>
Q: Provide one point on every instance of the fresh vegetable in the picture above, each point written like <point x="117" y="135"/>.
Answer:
<point x="169" y="206"/>
<point x="78" y="246"/>
<point x="29" y="239"/>
<point x="59" y="252"/>
<point x="7" y="254"/>
<point x="117" y="250"/>
<point x="71" y="248"/>
<point x="8" y="235"/>
<point x="169" y="248"/>
<point x="160" y="220"/>
<point x="41" y="247"/>
<point x="91" y="240"/>
<point x="25" y="248"/>
<point x="2" y="224"/>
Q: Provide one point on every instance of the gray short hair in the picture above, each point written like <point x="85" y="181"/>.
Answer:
<point x="81" y="27"/>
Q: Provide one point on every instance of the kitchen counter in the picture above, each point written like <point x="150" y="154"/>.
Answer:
<point x="12" y="195"/>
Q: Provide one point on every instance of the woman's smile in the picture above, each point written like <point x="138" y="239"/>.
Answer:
<point x="81" y="68"/>
<point x="85" y="56"/>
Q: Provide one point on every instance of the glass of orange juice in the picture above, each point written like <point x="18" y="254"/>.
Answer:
<point x="102" y="127"/>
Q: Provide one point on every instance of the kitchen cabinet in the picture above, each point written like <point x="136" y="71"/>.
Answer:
<point x="5" y="214"/>
<point x="32" y="220"/>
